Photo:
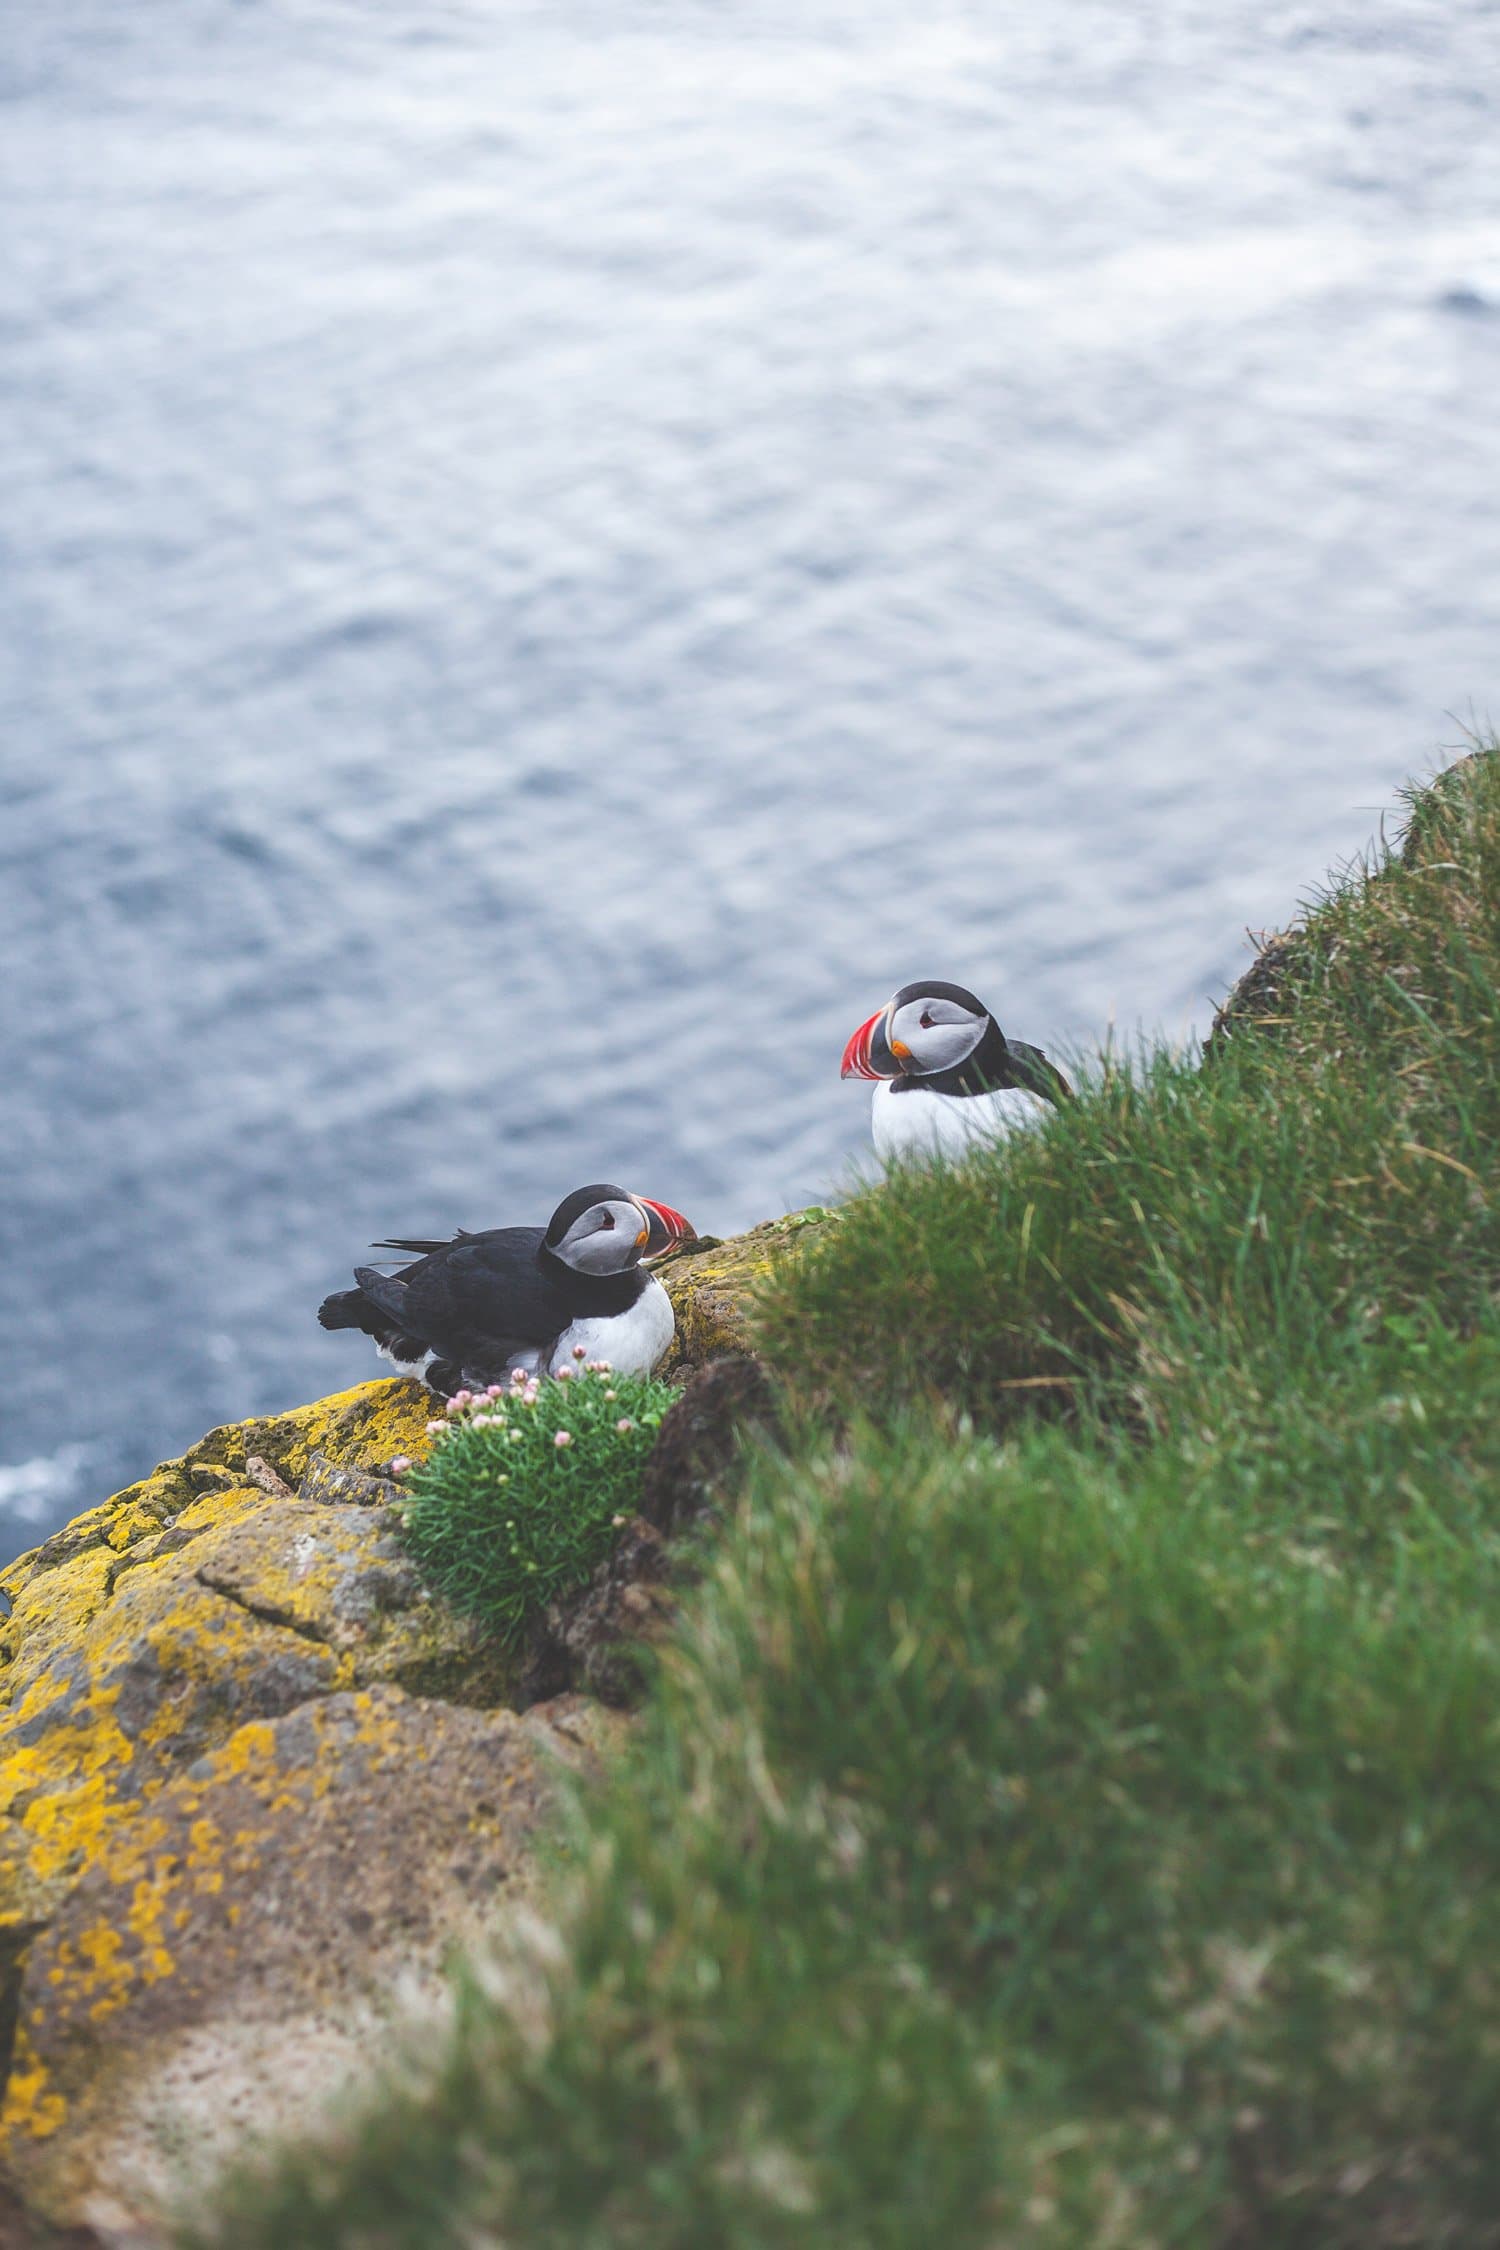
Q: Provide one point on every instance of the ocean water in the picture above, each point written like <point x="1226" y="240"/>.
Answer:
<point x="550" y="555"/>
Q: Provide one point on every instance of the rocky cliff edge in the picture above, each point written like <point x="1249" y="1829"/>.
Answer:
<point x="255" y="1784"/>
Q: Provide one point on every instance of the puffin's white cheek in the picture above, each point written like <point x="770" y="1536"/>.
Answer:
<point x="944" y="1044"/>
<point x="603" y="1252"/>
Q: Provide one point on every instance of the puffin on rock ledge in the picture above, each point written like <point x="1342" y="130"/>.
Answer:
<point x="948" y="1078"/>
<point x="470" y="1310"/>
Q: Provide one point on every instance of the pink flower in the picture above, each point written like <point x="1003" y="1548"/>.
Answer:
<point x="458" y="1402"/>
<point x="565" y="1375"/>
<point x="398" y="1464"/>
<point x="624" y="1424"/>
<point x="580" y="1351"/>
<point x="563" y="1437"/>
<point x="493" y="1390"/>
<point x="435" y="1429"/>
<point x="603" y="1367"/>
<point x="518" y="1375"/>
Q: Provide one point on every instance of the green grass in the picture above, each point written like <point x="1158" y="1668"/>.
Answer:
<point x="524" y="1490"/>
<point x="1069" y="1813"/>
<point x="1187" y="1240"/>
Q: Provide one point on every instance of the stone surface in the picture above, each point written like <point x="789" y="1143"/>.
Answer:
<point x="232" y="1954"/>
<point x="712" y="1285"/>
<point x="700" y="1438"/>
<point x="1449" y="793"/>
<point x="254" y="1779"/>
<point x="593" y="1640"/>
<point x="1258" y="997"/>
<point x="1266" y="995"/>
<point x="21" y="2229"/>
<point x="145" y="1637"/>
<point x="180" y="1612"/>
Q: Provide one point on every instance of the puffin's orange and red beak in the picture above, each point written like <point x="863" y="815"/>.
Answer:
<point x="857" y="1053"/>
<point x="869" y="1054"/>
<point x="666" y="1226"/>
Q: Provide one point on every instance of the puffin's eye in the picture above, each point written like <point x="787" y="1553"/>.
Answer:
<point x="607" y="1221"/>
<point x="926" y="1019"/>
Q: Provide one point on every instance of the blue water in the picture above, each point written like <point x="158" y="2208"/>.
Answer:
<point x="551" y="555"/>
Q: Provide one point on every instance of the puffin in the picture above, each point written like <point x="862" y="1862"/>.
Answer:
<point x="947" y="1078"/>
<point x="470" y="1310"/>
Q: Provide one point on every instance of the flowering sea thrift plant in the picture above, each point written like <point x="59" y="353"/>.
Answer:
<point x="527" y="1484"/>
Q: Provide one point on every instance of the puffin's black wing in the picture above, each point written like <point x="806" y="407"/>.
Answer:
<point x="476" y="1300"/>
<point x="385" y="1292"/>
<point x="1037" y="1072"/>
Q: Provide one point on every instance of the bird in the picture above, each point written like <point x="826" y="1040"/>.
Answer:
<point x="947" y="1077"/>
<point x="472" y="1309"/>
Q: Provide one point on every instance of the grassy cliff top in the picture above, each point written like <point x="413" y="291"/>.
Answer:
<point x="1069" y="1812"/>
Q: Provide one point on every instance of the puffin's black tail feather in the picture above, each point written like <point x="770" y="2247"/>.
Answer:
<point x="352" y="1308"/>
<point x="348" y="1308"/>
<point x="425" y="1244"/>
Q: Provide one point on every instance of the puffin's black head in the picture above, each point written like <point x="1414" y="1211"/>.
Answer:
<point x="924" y="1029"/>
<point x="602" y="1229"/>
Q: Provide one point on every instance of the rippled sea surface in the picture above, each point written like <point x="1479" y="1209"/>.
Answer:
<point x="551" y="555"/>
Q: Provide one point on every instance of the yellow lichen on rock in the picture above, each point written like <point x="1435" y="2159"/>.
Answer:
<point x="139" y="1640"/>
<point x="271" y="1606"/>
<point x="358" y="1428"/>
<point x="34" y="2109"/>
<point x="712" y="1285"/>
<point x="281" y="1881"/>
<point x="250" y="1770"/>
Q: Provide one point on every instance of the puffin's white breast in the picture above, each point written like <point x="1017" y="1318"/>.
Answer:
<point x="417" y="1366"/>
<point x="632" y="1341"/>
<point x="916" y="1124"/>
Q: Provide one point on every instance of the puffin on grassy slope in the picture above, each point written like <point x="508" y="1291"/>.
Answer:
<point x="469" y="1310"/>
<point x="948" y="1078"/>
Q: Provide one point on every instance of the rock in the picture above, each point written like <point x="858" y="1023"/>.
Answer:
<point x="1261" y="997"/>
<point x="1448" y="801"/>
<point x="232" y="1957"/>
<point x="359" y="1428"/>
<point x="712" y="1284"/>
<point x="700" y="1438"/>
<point x="22" y="2230"/>
<point x="253" y="1776"/>
<point x="152" y="1631"/>
<point x="330" y="1486"/>
<point x="594" y="1639"/>
<point x="1440" y="831"/>
<point x="125" y="1666"/>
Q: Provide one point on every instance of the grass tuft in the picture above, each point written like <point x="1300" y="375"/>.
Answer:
<point x="525" y="1489"/>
